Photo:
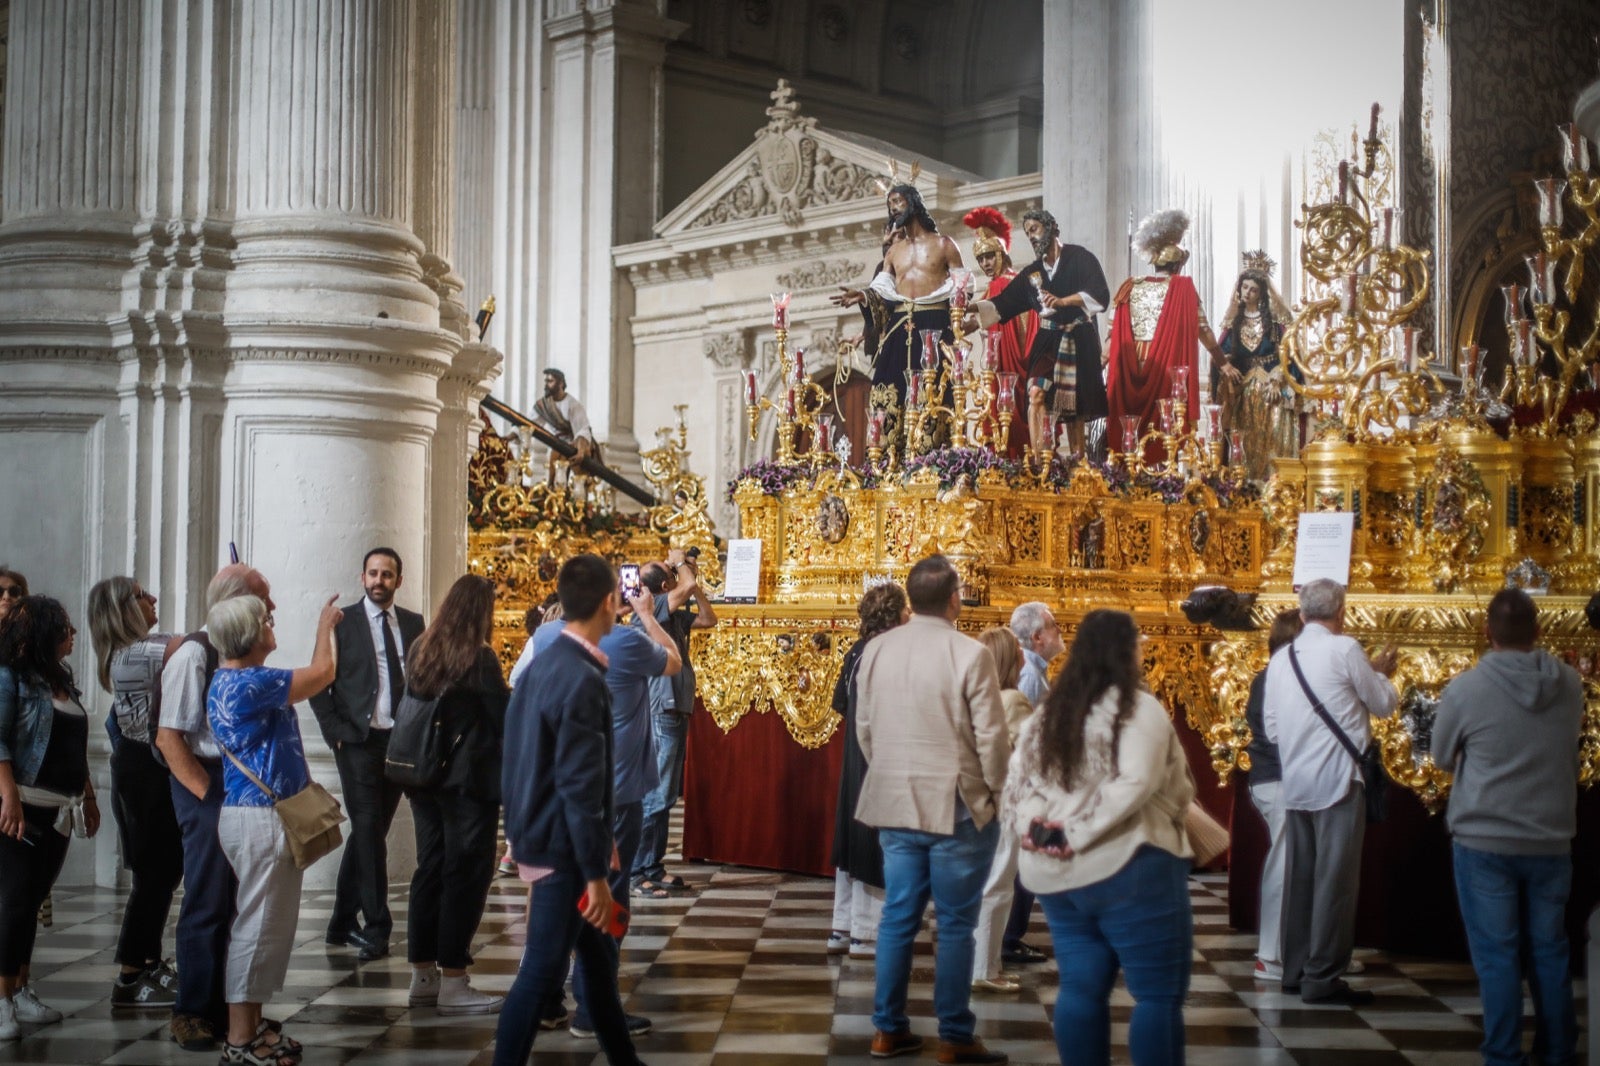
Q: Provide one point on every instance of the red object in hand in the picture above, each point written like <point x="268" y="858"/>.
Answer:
<point x="617" y="923"/>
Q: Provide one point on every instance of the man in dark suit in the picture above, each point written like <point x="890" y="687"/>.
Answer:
<point x="1066" y="285"/>
<point x="356" y="714"/>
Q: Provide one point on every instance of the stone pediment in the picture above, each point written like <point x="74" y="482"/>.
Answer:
<point x="796" y="169"/>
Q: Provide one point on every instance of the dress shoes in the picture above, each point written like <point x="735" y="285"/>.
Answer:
<point x="888" y="1045"/>
<point x="971" y="1051"/>
<point x="367" y="944"/>
<point x="1020" y="954"/>
<point x="338" y="938"/>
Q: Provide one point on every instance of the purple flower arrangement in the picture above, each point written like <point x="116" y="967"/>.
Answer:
<point x="773" y="478"/>
<point x="951" y="463"/>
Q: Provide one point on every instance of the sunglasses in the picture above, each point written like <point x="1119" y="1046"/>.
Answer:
<point x="11" y="592"/>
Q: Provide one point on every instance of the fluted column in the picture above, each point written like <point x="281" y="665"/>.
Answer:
<point x="477" y="224"/>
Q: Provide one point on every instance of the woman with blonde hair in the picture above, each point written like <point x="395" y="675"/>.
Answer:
<point x="1096" y="794"/>
<point x="128" y="661"/>
<point x="456" y="819"/>
<point x="857" y="858"/>
<point x="987" y="975"/>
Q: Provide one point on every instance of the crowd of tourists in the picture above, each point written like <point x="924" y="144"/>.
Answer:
<point x="970" y="779"/>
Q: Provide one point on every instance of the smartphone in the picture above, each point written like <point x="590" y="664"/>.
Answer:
<point x="617" y="926"/>
<point x="1044" y="836"/>
<point x="630" y="582"/>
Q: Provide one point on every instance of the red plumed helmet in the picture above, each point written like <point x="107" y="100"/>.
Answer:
<point x="990" y="219"/>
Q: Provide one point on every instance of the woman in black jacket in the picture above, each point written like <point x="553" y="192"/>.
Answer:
<point x="456" y="819"/>
<point x="858" y="882"/>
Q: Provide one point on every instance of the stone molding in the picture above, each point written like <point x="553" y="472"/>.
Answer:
<point x="821" y="274"/>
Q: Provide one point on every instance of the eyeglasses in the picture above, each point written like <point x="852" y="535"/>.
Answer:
<point x="11" y="592"/>
<point x="269" y="620"/>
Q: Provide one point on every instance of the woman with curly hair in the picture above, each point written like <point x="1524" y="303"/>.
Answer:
<point x="45" y="790"/>
<point x="13" y="587"/>
<point x="1096" y="794"/>
<point x="129" y="658"/>
<point x="857" y="858"/>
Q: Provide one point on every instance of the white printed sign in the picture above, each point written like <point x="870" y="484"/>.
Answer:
<point x="1322" y="548"/>
<point x="741" y="582"/>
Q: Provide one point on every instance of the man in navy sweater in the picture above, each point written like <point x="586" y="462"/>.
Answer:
<point x="559" y="809"/>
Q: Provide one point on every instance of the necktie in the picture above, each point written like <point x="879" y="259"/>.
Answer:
<point x="391" y="655"/>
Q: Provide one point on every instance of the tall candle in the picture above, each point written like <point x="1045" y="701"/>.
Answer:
<point x="875" y="428"/>
<point x="1511" y="292"/>
<point x="1406" y="348"/>
<point x="1344" y="182"/>
<point x="1372" y="130"/>
<point x="959" y="280"/>
<point x="780" y="310"/>
<point x="799" y="365"/>
<point x="930" y="348"/>
<point x="1471" y="362"/>
<point x="824" y="434"/>
<point x="750" y="387"/>
<point x="913" y="391"/>
<point x="1524" y="350"/>
<point x="1350" y="293"/>
<point x="991" y="350"/>
<point x="1541" y="277"/>
<point x="1236" y="447"/>
<point x="1130" y="431"/>
<point x="788" y="403"/>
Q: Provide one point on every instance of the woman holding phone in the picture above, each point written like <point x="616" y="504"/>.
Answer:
<point x="1096" y="795"/>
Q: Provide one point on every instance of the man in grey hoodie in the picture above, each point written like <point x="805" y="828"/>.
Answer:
<point x="1509" y="729"/>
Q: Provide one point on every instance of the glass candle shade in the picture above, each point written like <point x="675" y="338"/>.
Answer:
<point x="1406" y="342"/>
<point x="1523" y="349"/>
<point x="1007" y="400"/>
<point x="1512" y="294"/>
<point x="824" y="434"/>
<point x="991" y="350"/>
<point x="1574" y="148"/>
<point x="1383" y="228"/>
<point x="930" y="348"/>
<point x="1471" y="366"/>
<point x="959" y="281"/>
<point x="958" y="362"/>
<point x="1551" y="191"/>
<point x="750" y="395"/>
<point x="799" y="366"/>
<point x="1130" y="432"/>
<point x="1541" y="277"/>
<point x="780" y="310"/>
<point x="1236" y="447"/>
<point x="1178" y="378"/>
<point x="913" y="391"/>
<point x="1211" y="425"/>
<point x="875" y="428"/>
<point x="1166" y="406"/>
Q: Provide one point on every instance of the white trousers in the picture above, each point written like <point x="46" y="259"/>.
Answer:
<point x="1265" y="797"/>
<point x="268" y="902"/>
<point x="857" y="907"/>
<point x="995" y="908"/>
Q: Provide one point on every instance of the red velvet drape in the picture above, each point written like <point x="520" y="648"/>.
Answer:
<point x="1016" y="338"/>
<point x="1135" y="388"/>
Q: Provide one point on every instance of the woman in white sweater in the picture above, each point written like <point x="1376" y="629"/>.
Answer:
<point x="1096" y="794"/>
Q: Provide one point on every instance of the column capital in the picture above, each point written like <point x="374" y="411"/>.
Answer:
<point x="572" y="18"/>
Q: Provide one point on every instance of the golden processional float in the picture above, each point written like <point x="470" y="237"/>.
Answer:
<point x="526" y="518"/>
<point x="1455" y="492"/>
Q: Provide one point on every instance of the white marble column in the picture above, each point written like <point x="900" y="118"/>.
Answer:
<point x="1075" y="146"/>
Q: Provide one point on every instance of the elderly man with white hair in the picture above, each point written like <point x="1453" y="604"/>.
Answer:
<point x="1036" y="630"/>
<point x="1322" y="791"/>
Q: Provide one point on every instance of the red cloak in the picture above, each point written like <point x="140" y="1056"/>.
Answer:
<point x="1135" y="386"/>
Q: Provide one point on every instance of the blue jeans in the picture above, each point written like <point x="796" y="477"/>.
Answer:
<point x="1514" y="908"/>
<point x="952" y="869"/>
<point x="205" y="919"/>
<point x="555" y="930"/>
<point x="671" y="730"/>
<point x="1138" y="919"/>
<point x="626" y="827"/>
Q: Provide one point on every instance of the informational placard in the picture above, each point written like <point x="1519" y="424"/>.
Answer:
<point x="741" y="582"/>
<point x="1322" y="549"/>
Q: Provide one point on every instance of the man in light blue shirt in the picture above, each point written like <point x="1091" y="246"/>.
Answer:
<point x="1036" y="630"/>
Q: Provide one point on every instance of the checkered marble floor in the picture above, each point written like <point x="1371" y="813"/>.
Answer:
<point x="736" y="975"/>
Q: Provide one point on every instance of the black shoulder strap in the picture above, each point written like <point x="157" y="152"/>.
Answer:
<point x="1322" y="712"/>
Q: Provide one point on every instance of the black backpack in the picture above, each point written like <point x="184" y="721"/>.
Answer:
<point x="419" y="749"/>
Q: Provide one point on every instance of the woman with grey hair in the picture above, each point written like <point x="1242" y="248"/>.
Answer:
<point x="129" y="658"/>
<point x="251" y="709"/>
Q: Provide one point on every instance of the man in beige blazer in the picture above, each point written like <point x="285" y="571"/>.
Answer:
<point x="933" y="732"/>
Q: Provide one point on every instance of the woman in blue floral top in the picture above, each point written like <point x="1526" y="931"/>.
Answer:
<point x="251" y="709"/>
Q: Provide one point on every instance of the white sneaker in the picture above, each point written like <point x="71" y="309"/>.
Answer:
<point x="456" y="996"/>
<point x="838" y="943"/>
<point x="862" y="949"/>
<point x="9" y="1029"/>
<point x="1356" y="966"/>
<point x="1266" y="970"/>
<point x="29" y="1009"/>
<point x="424" y="987"/>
